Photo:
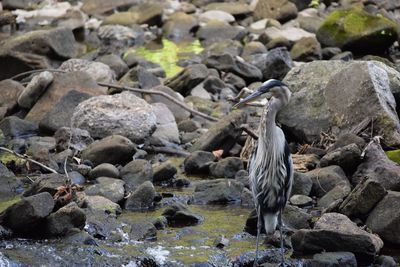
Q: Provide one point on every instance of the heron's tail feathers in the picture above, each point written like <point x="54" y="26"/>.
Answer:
<point x="270" y="222"/>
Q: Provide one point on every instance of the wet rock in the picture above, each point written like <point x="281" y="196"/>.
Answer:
<point x="335" y="232"/>
<point x="142" y="198"/>
<point x="164" y="172"/>
<point x="216" y="31"/>
<point x="28" y="213"/>
<point x="79" y="238"/>
<point x="97" y="71"/>
<point x="302" y="184"/>
<point x="79" y="141"/>
<point x="110" y="188"/>
<point x="385" y="217"/>
<point x="142" y="231"/>
<point x="198" y="162"/>
<point x="222" y="134"/>
<point x="105" y="170"/>
<point x="61" y="85"/>
<point x="14" y="127"/>
<point x="121" y="114"/>
<point x="279" y="10"/>
<point x="179" y="215"/>
<point x="369" y="29"/>
<point x="300" y="200"/>
<point x="332" y="259"/>
<point x="306" y="49"/>
<point x="114" y="149"/>
<point x="60" y="115"/>
<point x="188" y="78"/>
<point x="115" y="63"/>
<point x="362" y="199"/>
<point x="179" y="26"/>
<point x="216" y="15"/>
<point x="226" y="167"/>
<point x="35" y="89"/>
<point x="347" y="157"/>
<point x="167" y="131"/>
<point x="46" y="183"/>
<point x="325" y="179"/>
<point x="8" y="100"/>
<point x="135" y="173"/>
<point x="219" y="191"/>
<point x="340" y="191"/>
<point x="65" y="219"/>
<point x="9" y="184"/>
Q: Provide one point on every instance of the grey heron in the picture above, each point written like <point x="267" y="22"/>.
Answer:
<point x="270" y="165"/>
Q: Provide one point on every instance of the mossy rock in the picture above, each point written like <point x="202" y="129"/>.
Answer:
<point x="394" y="155"/>
<point x="358" y="31"/>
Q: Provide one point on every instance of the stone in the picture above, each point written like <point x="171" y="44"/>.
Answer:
<point x="123" y="114"/>
<point x="10" y="92"/>
<point x="110" y="188"/>
<point x="76" y="237"/>
<point x="332" y="259"/>
<point x="306" y="49"/>
<point x="302" y="184"/>
<point x="216" y="15"/>
<point x="22" y="4"/>
<point x="142" y="231"/>
<point x="179" y="26"/>
<point x="218" y="191"/>
<point x="77" y="178"/>
<point x="115" y="63"/>
<point x="386" y="261"/>
<point x="65" y="219"/>
<point x="147" y="13"/>
<point x="188" y="126"/>
<point x="198" y="162"/>
<point x="352" y="29"/>
<point x="28" y="213"/>
<point x="235" y="8"/>
<point x="167" y="131"/>
<point x="216" y="31"/>
<point x="347" y="139"/>
<point x="60" y="115"/>
<point x="214" y="85"/>
<point x="14" y="127"/>
<point x="339" y="192"/>
<point x="347" y="157"/>
<point x="45" y="183"/>
<point x="102" y="6"/>
<point x="385" y="217"/>
<point x="226" y="168"/>
<point x="98" y="71"/>
<point x="114" y="149"/>
<point x="362" y="199"/>
<point x="102" y="205"/>
<point x="35" y="89"/>
<point x="279" y="10"/>
<point x="231" y="47"/>
<point x="139" y="77"/>
<point x="309" y="20"/>
<point x="330" y="52"/>
<point x="285" y="35"/>
<point x="296" y="218"/>
<point x="61" y="85"/>
<point x="325" y="179"/>
<point x="335" y="232"/>
<point x="164" y="172"/>
<point x="79" y="141"/>
<point x="116" y="37"/>
<point x="9" y="184"/>
<point x="135" y="173"/>
<point x="344" y="56"/>
<point x="300" y="200"/>
<point x="142" y="198"/>
<point x="188" y="78"/>
<point x="253" y="49"/>
<point x="104" y="170"/>
<point x="179" y="215"/>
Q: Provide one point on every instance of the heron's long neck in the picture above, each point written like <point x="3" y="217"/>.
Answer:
<point x="268" y="118"/>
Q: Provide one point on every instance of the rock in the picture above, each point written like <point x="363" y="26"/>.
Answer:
<point x="115" y="63"/>
<point x="167" y="131"/>
<point x="259" y="26"/>
<point x="296" y="218"/>
<point x="287" y="35"/>
<point x="332" y="259"/>
<point x="335" y="232"/>
<point x="79" y="141"/>
<point x="188" y="78"/>
<point x="65" y="219"/>
<point x="330" y="52"/>
<point x="347" y="139"/>
<point x="344" y="56"/>
<point x="102" y="6"/>
<point x="135" y="173"/>
<point x="302" y="184"/>
<point x="77" y="178"/>
<point x="9" y="184"/>
<point x="76" y="237"/>
<point x="142" y="198"/>
<point x="110" y="188"/>
<point x="228" y="63"/>
<point x="28" y="213"/>
<point x="222" y="134"/>
<point x="8" y="100"/>
<point x="102" y="205"/>
<point x="301" y="200"/>
<point x="45" y="183"/>
<point x="14" y="127"/>
<point x="60" y="115"/>
<point x="123" y="114"/>
<point x="164" y="172"/>
<point x="139" y="77"/>
<point x="339" y="192"/>
<point x="36" y="50"/>
<point x="309" y="20"/>
<point x="347" y="157"/>
<point x="325" y="179"/>
<point x="279" y="10"/>
<point x="179" y="215"/>
<point x="188" y="126"/>
<point x="216" y="15"/>
<point x="216" y="31"/>
<point x="98" y="71"/>
<point x="362" y="199"/>
<point x="160" y="223"/>
<point x="179" y="26"/>
<point x="200" y="92"/>
<point x="117" y="37"/>
<point x="198" y="162"/>
<point x="386" y="261"/>
<point x="385" y="217"/>
<point x="143" y="231"/>
<point x="235" y="8"/>
<point x="247" y="198"/>
<point x="104" y="170"/>
<point x="253" y="49"/>
<point x="114" y="149"/>
<point x="226" y="168"/>
<point x="306" y="49"/>
<point x="61" y="85"/>
<point x="231" y="47"/>
<point x="35" y="89"/>
<point x="219" y="191"/>
<point x="378" y="167"/>
<point x="363" y="29"/>
<point x="22" y="4"/>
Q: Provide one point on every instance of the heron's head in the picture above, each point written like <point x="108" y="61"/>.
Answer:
<point x="270" y="88"/>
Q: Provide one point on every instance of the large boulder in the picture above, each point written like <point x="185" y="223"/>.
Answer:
<point x="123" y="114"/>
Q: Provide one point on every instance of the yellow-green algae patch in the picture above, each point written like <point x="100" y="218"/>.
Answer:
<point x="394" y="155"/>
<point x="168" y="55"/>
<point x="5" y="203"/>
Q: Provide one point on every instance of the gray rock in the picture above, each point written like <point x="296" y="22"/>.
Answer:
<point x="198" y="162"/>
<point x="21" y="4"/>
<point x="99" y="72"/>
<point x="347" y="139"/>
<point x="138" y="77"/>
<point x="219" y="191"/>
<point x="135" y="173"/>
<point x="309" y="20"/>
<point x="235" y="8"/>
<point x="347" y="157"/>
<point x="179" y="215"/>
<point x="300" y="200"/>
<point x="335" y="232"/>
<point x="302" y="184"/>
<point x="142" y="198"/>
<point x="296" y="218"/>
<point x="279" y="10"/>
<point x="332" y="259"/>
<point x="28" y="214"/>
<point x="77" y="178"/>
<point x="14" y="127"/>
<point x="362" y="199"/>
<point x="167" y="131"/>
<point x="46" y="183"/>
<point x="306" y="49"/>
<point x="226" y="168"/>
<point x="102" y="6"/>
<point x="329" y="52"/>
<point x="9" y="184"/>
<point x="76" y="237"/>
<point x="385" y="261"/>
<point x="339" y="192"/>
<point x="216" y="31"/>
<point x="214" y="85"/>
<point x="164" y="172"/>
<point x="142" y="231"/>
<point x="188" y="78"/>
<point x="247" y="198"/>
<point x="243" y="177"/>
<point x="79" y="141"/>
<point x="216" y="15"/>
<point x="115" y="37"/>
<point x="188" y="126"/>
<point x="179" y="26"/>
<point x="253" y="49"/>
<point x="110" y="188"/>
<point x="231" y="47"/>
<point x="65" y="219"/>
<point x="60" y="115"/>
<point x="115" y="63"/>
<point x="121" y="114"/>
<point x="8" y="100"/>
<point x="35" y="89"/>
<point x="344" y="56"/>
<point x="105" y="170"/>
<point x="114" y="149"/>
<point x="384" y="219"/>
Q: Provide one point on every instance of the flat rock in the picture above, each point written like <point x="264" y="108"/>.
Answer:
<point x="135" y="173"/>
<point x="219" y="191"/>
<point x="179" y="26"/>
<point x="147" y="13"/>
<point x="142" y="198"/>
<point x="102" y="6"/>
<point x="179" y="215"/>
<point x="300" y="200"/>
<point x="110" y="188"/>
<point x="216" y="15"/>
<point x="217" y="30"/>
<point x="99" y="72"/>
<point x="234" y="8"/>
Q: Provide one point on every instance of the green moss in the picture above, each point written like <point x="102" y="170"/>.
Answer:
<point x="394" y="155"/>
<point x="4" y="204"/>
<point x="168" y="55"/>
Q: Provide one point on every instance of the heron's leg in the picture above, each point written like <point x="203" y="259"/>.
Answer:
<point x="281" y="236"/>
<point x="258" y="237"/>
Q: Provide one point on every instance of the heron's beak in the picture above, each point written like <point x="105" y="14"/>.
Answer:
<point x="250" y="98"/>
